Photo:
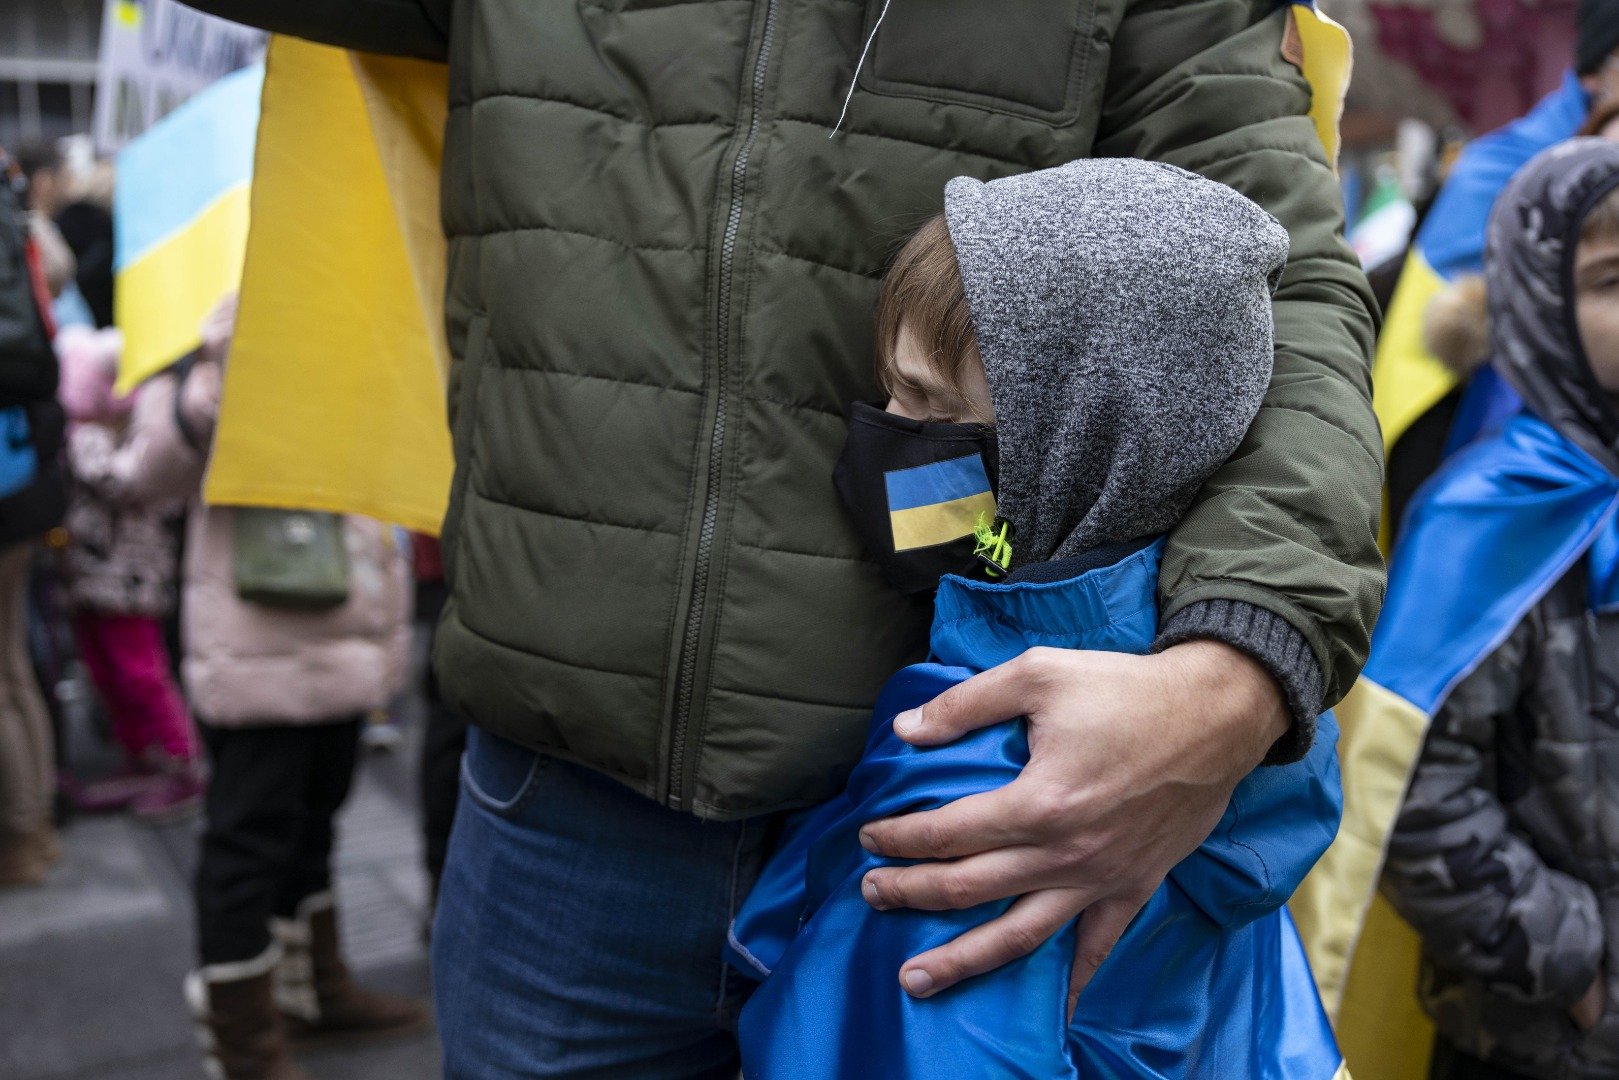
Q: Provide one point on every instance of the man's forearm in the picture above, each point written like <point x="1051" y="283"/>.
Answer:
<point x="1286" y="531"/>
<point x="1271" y="643"/>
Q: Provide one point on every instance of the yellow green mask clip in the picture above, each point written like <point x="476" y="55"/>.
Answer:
<point x="994" y="545"/>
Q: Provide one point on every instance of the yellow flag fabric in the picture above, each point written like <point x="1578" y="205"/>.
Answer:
<point x="1328" y="63"/>
<point x="334" y="392"/>
<point x="1382" y="1030"/>
<point x="161" y="300"/>
<point x="1363" y="956"/>
<point x="1407" y="379"/>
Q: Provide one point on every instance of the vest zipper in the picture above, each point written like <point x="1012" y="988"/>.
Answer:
<point x="686" y="673"/>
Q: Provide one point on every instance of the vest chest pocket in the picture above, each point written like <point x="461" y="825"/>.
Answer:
<point x="1026" y="58"/>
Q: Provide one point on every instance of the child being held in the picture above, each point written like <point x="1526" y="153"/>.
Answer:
<point x="1501" y="625"/>
<point x="1069" y="354"/>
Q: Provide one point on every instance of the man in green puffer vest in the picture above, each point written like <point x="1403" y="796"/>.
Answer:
<point x="666" y="219"/>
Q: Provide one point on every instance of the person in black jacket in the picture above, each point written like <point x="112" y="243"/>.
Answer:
<point x="32" y="501"/>
<point x="83" y="223"/>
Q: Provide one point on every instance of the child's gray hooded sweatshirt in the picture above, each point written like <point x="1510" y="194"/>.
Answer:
<point x="1123" y="312"/>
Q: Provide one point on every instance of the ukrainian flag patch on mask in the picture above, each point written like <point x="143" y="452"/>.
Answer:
<point x="939" y="502"/>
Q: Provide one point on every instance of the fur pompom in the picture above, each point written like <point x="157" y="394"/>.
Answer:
<point x="1456" y="326"/>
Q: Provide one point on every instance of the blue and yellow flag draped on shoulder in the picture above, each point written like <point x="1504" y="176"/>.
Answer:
<point x="1499" y="525"/>
<point x="1407" y="379"/>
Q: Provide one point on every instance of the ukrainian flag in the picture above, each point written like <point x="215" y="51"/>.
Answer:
<point x="937" y="503"/>
<point x="1407" y="379"/>
<point x="180" y="217"/>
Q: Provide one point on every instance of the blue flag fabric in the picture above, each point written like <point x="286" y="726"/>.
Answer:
<point x="1452" y="235"/>
<point x="1209" y="981"/>
<point x="180" y="215"/>
<point x="1482" y="543"/>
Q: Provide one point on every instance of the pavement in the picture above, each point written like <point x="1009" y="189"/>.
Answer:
<point x="91" y="963"/>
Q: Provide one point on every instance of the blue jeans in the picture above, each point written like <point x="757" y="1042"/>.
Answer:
<point x="581" y="927"/>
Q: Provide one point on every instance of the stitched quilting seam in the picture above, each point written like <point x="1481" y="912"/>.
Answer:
<point x="616" y="380"/>
<point x="596" y="110"/>
<point x="868" y="275"/>
<point x="579" y="519"/>
<point x="768" y="550"/>
<point x="627" y="245"/>
<point x="839" y="706"/>
<point x="530" y="651"/>
<point x="847" y="130"/>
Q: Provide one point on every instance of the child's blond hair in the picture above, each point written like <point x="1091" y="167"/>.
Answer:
<point x="923" y="294"/>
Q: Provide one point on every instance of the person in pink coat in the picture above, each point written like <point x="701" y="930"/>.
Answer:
<point x="279" y="683"/>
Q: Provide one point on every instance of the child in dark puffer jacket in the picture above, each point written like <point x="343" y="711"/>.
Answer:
<point x="1505" y="854"/>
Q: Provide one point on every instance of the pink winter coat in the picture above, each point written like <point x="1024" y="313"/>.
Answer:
<point x="122" y="555"/>
<point x="249" y="664"/>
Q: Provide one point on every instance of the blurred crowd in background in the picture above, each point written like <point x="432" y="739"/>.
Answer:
<point x="130" y="552"/>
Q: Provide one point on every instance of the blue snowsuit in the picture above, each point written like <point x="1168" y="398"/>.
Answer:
<point x="1210" y="980"/>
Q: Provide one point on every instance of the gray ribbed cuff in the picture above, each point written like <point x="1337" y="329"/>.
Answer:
<point x="1271" y="640"/>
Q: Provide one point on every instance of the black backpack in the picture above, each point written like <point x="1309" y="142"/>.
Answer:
<point x="27" y="364"/>
<point x="30" y="418"/>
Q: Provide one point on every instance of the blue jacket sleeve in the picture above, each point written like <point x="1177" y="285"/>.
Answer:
<point x="1281" y="820"/>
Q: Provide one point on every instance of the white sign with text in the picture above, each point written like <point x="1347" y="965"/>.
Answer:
<point x="154" y="55"/>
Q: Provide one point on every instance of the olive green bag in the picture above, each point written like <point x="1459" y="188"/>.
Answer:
<point x="291" y="558"/>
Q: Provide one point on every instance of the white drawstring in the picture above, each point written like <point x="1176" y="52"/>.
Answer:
<point x="881" y="15"/>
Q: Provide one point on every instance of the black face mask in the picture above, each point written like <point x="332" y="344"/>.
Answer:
<point x="916" y="491"/>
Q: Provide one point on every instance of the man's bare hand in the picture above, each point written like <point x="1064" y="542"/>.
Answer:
<point x="1132" y="761"/>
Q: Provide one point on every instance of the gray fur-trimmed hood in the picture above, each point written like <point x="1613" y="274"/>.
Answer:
<point x="1123" y="312"/>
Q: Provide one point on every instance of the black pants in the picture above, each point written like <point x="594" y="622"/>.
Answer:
<point x="1450" y="1063"/>
<point x="443" y="743"/>
<point x="442" y="747"/>
<point x="268" y="842"/>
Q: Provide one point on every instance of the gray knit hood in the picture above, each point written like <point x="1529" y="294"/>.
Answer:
<point x="1529" y="272"/>
<point x="1123" y="312"/>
